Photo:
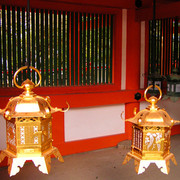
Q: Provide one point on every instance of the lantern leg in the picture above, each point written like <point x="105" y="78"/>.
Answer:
<point x="173" y="159"/>
<point x="54" y="151"/>
<point x="14" y="165"/>
<point x="2" y="156"/>
<point x="57" y="154"/>
<point x="166" y="165"/>
<point x="163" y="165"/>
<point x="137" y="164"/>
<point x="10" y="161"/>
<point x="127" y="158"/>
<point x="43" y="163"/>
<point x="48" y="163"/>
<point x="137" y="161"/>
<point x="140" y="165"/>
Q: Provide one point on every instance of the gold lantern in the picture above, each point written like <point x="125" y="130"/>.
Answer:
<point x="151" y="137"/>
<point x="29" y="129"/>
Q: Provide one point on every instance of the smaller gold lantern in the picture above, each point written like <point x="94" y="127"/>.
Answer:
<point x="151" y="137"/>
<point x="29" y="129"/>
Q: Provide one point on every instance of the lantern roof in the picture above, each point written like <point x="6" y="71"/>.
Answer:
<point x="152" y="115"/>
<point x="28" y="104"/>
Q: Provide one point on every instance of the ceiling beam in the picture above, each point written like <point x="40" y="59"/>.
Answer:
<point x="162" y="11"/>
<point x="120" y="4"/>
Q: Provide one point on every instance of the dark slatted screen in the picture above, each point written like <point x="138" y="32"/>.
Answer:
<point x="69" y="48"/>
<point x="167" y="46"/>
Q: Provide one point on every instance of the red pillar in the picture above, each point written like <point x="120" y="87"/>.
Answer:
<point x="133" y="51"/>
<point x="132" y="64"/>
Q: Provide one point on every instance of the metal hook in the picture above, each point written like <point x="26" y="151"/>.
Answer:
<point x="122" y="116"/>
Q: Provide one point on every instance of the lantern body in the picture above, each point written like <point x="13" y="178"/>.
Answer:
<point x="151" y="138"/>
<point x="29" y="130"/>
<point x="29" y="136"/>
<point x="173" y="85"/>
<point x="150" y="142"/>
<point x="173" y="88"/>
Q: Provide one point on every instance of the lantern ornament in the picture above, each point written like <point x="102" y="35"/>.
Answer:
<point x="151" y="137"/>
<point x="29" y="128"/>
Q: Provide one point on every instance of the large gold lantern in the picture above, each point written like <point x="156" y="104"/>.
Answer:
<point x="29" y="129"/>
<point x="151" y="137"/>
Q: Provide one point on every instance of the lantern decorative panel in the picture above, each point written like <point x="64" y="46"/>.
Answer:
<point x="29" y="129"/>
<point x="151" y="137"/>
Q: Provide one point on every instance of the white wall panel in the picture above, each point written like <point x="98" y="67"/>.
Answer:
<point x="92" y="122"/>
<point x="2" y="133"/>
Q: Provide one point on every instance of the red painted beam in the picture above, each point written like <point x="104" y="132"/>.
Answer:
<point x="76" y="99"/>
<point x="98" y="3"/>
<point x="162" y="11"/>
<point x="64" y="5"/>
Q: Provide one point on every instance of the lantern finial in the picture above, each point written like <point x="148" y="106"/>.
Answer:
<point x="152" y="100"/>
<point x="27" y="81"/>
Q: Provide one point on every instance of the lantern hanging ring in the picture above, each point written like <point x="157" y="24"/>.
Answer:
<point x="23" y="68"/>
<point x="150" y="99"/>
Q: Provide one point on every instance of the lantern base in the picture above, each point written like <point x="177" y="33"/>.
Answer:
<point x="142" y="165"/>
<point x="42" y="162"/>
